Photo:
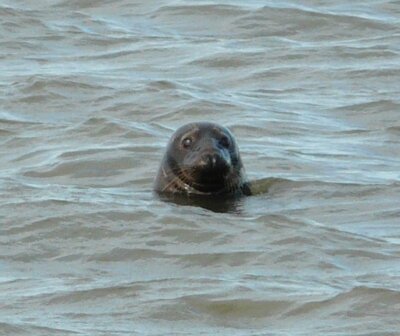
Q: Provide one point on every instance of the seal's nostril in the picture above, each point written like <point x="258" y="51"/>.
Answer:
<point x="209" y="160"/>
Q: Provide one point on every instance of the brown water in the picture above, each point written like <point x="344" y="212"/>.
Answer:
<point x="90" y="91"/>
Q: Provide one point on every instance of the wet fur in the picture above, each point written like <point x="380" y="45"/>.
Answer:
<point x="175" y="178"/>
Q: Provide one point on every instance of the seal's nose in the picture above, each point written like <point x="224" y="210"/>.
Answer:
<point x="210" y="160"/>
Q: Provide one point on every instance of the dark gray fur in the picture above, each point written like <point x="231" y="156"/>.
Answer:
<point x="202" y="159"/>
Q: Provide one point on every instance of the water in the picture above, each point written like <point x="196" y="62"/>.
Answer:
<point x="90" y="92"/>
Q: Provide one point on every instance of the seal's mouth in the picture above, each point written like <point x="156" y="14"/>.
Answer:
<point x="208" y="179"/>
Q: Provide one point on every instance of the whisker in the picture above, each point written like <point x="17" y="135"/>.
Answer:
<point x="171" y="182"/>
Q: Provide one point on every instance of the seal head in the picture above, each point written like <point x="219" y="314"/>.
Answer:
<point x="202" y="159"/>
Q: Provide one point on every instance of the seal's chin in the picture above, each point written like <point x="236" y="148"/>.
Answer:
<point x="214" y="175"/>
<point x="208" y="179"/>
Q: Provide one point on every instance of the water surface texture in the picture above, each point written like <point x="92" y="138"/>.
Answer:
<point x="90" y="92"/>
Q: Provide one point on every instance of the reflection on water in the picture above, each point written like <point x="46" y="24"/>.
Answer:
<point x="232" y="204"/>
<point x="223" y="203"/>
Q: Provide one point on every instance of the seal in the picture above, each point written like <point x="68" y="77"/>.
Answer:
<point x="202" y="159"/>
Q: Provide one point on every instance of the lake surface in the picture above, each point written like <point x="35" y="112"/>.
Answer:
<point x="90" y="92"/>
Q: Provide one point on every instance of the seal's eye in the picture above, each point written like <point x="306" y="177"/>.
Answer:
<point x="187" y="142"/>
<point x="225" y="142"/>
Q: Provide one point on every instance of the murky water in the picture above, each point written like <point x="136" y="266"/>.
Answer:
<point x="90" y="92"/>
